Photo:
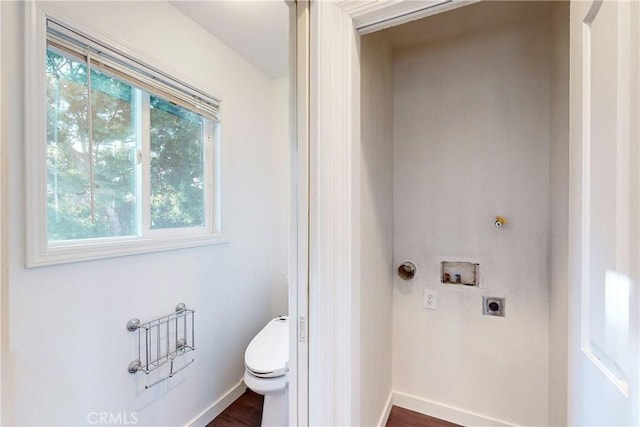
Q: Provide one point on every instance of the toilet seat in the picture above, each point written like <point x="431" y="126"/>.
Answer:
<point x="267" y="354"/>
<point x="265" y="385"/>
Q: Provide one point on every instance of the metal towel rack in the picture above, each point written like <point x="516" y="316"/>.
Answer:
<point x="162" y="341"/>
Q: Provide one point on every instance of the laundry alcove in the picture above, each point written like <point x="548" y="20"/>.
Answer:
<point x="464" y="117"/>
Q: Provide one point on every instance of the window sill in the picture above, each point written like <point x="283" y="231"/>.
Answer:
<point x="93" y="249"/>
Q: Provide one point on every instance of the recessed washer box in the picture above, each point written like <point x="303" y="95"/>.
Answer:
<point x="460" y="273"/>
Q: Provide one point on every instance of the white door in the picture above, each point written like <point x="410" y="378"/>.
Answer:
<point x="604" y="357"/>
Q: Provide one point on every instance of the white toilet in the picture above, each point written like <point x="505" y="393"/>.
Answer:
<point x="267" y="362"/>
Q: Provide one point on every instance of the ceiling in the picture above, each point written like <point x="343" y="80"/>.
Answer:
<point x="473" y="18"/>
<point x="257" y="30"/>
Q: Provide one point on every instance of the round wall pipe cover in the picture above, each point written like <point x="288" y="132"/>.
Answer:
<point x="407" y="270"/>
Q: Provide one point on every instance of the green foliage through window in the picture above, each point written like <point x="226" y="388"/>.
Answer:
<point x="94" y="138"/>
<point x="177" y="175"/>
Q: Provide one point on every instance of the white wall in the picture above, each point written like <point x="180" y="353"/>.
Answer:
<point x="68" y="346"/>
<point x="471" y="137"/>
<point x="376" y="226"/>
<point x="281" y="167"/>
<point x="559" y="217"/>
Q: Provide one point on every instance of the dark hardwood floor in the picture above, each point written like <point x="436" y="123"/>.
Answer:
<point x="247" y="411"/>
<point x="400" y="417"/>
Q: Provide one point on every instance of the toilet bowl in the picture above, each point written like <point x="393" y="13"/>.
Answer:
<point x="267" y="361"/>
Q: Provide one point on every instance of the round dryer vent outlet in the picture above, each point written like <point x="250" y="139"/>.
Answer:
<point x="407" y="270"/>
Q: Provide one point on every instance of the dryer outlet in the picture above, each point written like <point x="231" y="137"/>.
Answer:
<point x="493" y="306"/>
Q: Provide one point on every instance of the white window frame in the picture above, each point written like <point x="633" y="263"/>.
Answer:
<point x="41" y="252"/>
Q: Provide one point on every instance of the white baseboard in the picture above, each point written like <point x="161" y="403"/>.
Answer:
<point x="445" y="412"/>
<point x="387" y="411"/>
<point x="218" y="406"/>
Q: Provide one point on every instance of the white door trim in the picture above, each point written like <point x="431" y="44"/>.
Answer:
<point x="3" y="273"/>
<point x="332" y="387"/>
<point x="374" y="15"/>
<point x="334" y="138"/>
<point x="299" y="233"/>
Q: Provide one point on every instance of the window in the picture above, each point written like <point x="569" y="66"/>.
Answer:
<point x="130" y="156"/>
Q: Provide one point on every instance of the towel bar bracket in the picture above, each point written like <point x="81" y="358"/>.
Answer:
<point x="133" y="324"/>
<point x="135" y="366"/>
<point x="163" y="340"/>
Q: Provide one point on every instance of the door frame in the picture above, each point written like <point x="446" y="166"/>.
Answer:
<point x="3" y="333"/>
<point x="5" y="411"/>
<point x="332" y="71"/>
<point x="299" y="212"/>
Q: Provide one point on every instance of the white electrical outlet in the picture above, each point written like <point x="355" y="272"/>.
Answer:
<point x="429" y="299"/>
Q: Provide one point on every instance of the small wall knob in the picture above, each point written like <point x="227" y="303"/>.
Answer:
<point x="500" y="221"/>
<point x="133" y="324"/>
<point x="407" y="270"/>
